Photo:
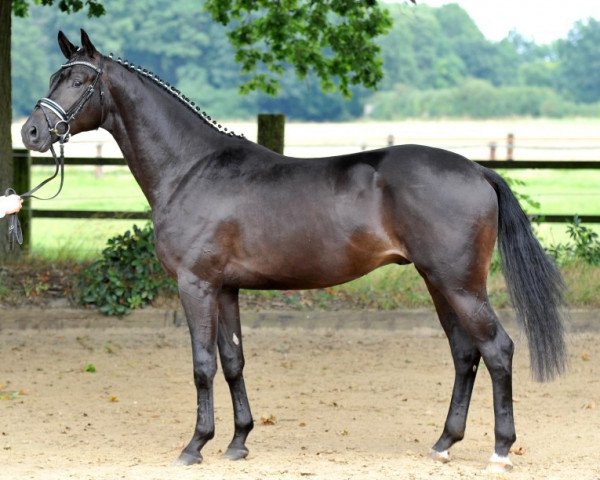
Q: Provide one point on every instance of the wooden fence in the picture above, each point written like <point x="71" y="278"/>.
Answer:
<point x="24" y="162"/>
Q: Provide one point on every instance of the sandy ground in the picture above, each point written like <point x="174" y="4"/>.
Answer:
<point x="353" y="395"/>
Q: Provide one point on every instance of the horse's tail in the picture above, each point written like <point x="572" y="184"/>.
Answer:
<point x="534" y="283"/>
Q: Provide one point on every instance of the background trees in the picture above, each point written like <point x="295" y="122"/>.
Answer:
<point x="579" y="62"/>
<point x="436" y="62"/>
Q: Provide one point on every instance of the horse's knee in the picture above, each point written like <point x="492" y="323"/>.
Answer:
<point x="233" y="368"/>
<point x="232" y="361"/>
<point x="466" y="360"/>
<point x="205" y="368"/>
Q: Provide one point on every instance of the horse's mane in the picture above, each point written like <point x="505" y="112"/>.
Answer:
<point x="178" y="95"/>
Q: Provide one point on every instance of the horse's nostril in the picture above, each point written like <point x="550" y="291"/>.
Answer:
<point x="33" y="132"/>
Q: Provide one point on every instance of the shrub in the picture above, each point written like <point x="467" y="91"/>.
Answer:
<point x="585" y="245"/>
<point x="127" y="276"/>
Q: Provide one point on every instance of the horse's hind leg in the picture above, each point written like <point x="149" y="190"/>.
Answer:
<point x="466" y="360"/>
<point x="476" y="317"/>
<point x="232" y="361"/>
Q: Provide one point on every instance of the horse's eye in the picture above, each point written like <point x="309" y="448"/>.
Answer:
<point x="77" y="83"/>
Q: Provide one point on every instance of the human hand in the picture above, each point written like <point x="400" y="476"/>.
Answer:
<point x="12" y="203"/>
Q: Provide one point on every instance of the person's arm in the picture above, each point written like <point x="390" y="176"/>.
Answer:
<point x="10" y="204"/>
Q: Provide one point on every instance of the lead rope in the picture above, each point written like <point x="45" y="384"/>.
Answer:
<point x="15" y="233"/>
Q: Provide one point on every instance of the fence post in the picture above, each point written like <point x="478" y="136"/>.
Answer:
<point x="510" y="146"/>
<point x="22" y="180"/>
<point x="492" y="146"/>
<point x="271" y="129"/>
<point x="98" y="168"/>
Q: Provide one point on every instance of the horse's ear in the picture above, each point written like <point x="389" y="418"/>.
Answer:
<point x="87" y="44"/>
<point x="66" y="47"/>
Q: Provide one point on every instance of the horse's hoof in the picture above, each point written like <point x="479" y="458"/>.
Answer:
<point x="188" y="459"/>
<point x="498" y="464"/>
<point x="443" y="457"/>
<point x="236" y="453"/>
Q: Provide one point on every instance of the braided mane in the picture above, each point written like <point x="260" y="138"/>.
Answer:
<point x="178" y="95"/>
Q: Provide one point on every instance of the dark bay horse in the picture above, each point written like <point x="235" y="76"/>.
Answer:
<point x="230" y="214"/>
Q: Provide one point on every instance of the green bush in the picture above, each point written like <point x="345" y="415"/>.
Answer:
<point x="585" y="245"/>
<point x="127" y="276"/>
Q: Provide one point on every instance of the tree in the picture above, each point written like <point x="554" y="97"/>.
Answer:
<point x="580" y="61"/>
<point x="6" y="163"/>
<point x="332" y="38"/>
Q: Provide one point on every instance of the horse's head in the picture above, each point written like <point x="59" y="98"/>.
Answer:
<point x="75" y="100"/>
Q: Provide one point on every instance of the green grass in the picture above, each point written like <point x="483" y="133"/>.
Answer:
<point x="560" y="191"/>
<point x="115" y="189"/>
<point x="557" y="191"/>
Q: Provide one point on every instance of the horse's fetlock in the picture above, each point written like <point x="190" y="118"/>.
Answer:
<point x="455" y="432"/>
<point x="245" y="426"/>
<point x="205" y="434"/>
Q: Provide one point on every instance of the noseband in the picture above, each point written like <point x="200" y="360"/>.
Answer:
<point x="62" y="128"/>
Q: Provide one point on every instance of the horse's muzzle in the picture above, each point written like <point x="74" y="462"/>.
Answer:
<point x="35" y="135"/>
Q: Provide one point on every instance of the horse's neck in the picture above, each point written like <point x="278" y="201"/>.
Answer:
<point x="156" y="132"/>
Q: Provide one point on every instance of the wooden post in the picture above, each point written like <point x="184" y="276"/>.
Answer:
<point x="493" y="146"/>
<point x="510" y="146"/>
<point x="22" y="176"/>
<point x="98" y="168"/>
<point x="271" y="131"/>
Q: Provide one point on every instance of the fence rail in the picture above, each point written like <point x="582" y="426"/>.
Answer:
<point x="96" y="214"/>
<point x="24" y="161"/>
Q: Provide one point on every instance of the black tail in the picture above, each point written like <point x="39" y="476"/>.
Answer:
<point x="534" y="283"/>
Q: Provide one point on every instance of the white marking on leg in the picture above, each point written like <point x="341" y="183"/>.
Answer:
<point x="443" y="457"/>
<point x="236" y="340"/>
<point x="499" y="464"/>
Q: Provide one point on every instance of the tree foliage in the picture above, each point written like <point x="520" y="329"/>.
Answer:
<point x="580" y="61"/>
<point x="332" y="38"/>
<point x="94" y="8"/>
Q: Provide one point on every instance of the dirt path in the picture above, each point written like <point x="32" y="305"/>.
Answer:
<point x="366" y="401"/>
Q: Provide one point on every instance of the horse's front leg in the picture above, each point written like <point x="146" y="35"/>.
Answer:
<point x="199" y="300"/>
<point x="232" y="361"/>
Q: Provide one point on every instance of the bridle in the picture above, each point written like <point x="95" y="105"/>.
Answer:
<point x="62" y="129"/>
<point x="67" y="116"/>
